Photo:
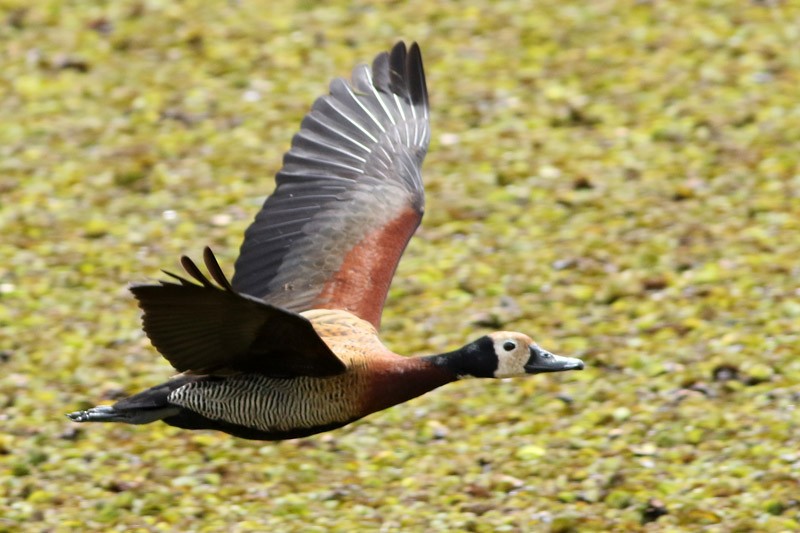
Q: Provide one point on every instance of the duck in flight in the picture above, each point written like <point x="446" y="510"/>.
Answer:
<point x="289" y="346"/>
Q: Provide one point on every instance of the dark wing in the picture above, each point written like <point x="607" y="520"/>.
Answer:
<point x="206" y="329"/>
<point x="349" y="195"/>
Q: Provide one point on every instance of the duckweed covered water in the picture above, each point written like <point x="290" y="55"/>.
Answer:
<point x="620" y="180"/>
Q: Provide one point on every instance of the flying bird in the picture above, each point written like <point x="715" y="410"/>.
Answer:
<point x="289" y="346"/>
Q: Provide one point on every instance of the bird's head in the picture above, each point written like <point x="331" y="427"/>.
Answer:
<point x="505" y="354"/>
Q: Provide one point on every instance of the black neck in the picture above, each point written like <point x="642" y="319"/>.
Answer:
<point x="476" y="359"/>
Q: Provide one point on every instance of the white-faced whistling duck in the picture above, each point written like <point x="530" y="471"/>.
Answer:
<point x="289" y="347"/>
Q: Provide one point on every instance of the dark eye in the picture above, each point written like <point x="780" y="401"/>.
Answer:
<point x="509" y="345"/>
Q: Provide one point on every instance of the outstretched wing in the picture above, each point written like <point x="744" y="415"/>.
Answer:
<point x="349" y="195"/>
<point x="209" y="329"/>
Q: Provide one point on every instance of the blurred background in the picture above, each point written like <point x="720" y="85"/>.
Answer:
<point x="618" y="179"/>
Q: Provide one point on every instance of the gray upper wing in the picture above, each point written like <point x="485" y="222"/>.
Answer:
<point x="348" y="197"/>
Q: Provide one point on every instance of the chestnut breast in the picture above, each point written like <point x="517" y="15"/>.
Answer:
<point x="380" y="378"/>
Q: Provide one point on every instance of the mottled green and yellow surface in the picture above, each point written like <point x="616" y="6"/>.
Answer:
<point x="618" y="179"/>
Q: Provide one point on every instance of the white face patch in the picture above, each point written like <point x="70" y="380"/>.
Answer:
<point x="513" y="350"/>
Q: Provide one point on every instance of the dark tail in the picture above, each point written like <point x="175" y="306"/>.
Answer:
<point x="142" y="408"/>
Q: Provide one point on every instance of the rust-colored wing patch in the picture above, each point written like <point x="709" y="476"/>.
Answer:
<point x="362" y="281"/>
<point x="349" y="195"/>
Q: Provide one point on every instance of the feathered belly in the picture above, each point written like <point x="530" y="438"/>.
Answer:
<point x="273" y="404"/>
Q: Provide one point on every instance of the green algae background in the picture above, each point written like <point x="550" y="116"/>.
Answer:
<point x="618" y="179"/>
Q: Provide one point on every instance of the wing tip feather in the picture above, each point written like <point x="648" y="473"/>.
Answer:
<point x="406" y="73"/>
<point x="415" y="69"/>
